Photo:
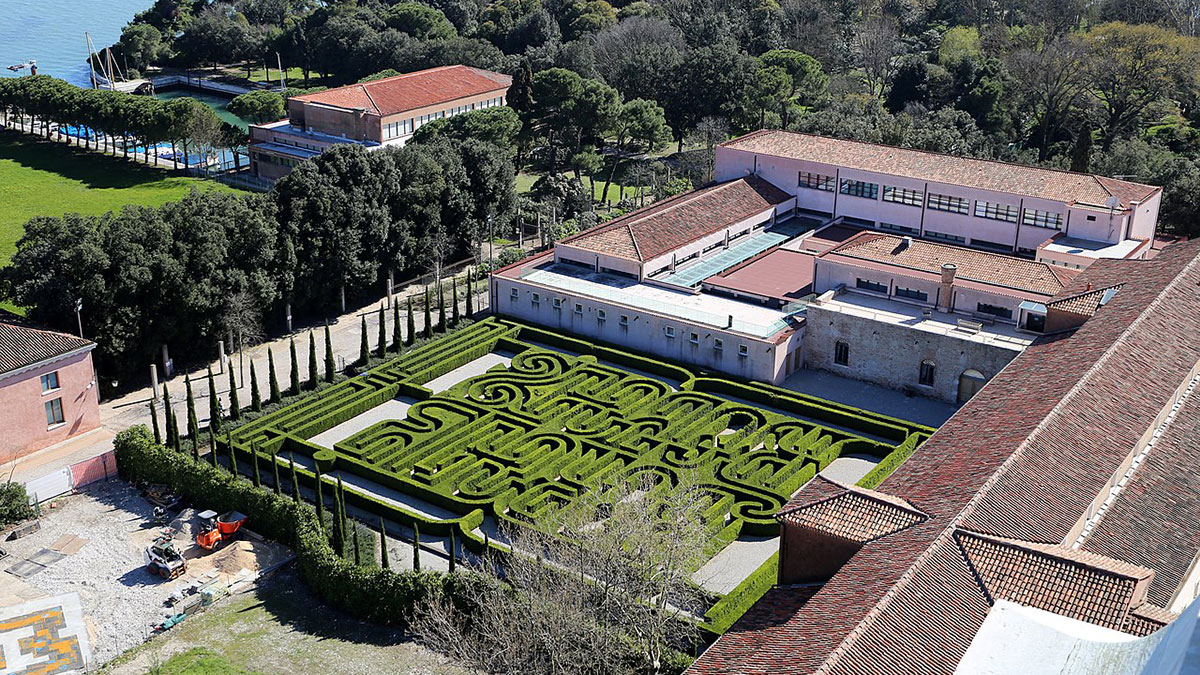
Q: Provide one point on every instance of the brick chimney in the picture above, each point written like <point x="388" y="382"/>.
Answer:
<point x="946" y="295"/>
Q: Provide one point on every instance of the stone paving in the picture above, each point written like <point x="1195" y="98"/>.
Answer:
<point x="735" y="562"/>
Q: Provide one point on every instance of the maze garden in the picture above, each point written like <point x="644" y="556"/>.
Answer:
<point x="515" y="443"/>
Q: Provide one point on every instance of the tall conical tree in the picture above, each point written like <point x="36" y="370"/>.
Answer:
<point x="454" y="317"/>
<point x="338" y="533"/>
<point x="295" y="478"/>
<point x="357" y="552"/>
<point x="428" y="316"/>
<point x="410" y="325"/>
<point x="172" y="424"/>
<point x="214" y="402"/>
<point x="154" y="422"/>
<point x="212" y="447"/>
<point x="235" y="406"/>
<point x="341" y="489"/>
<point x="294" y="373"/>
<point x="193" y="422"/>
<point x="383" y="552"/>
<point x="364" y="349"/>
<point x="470" y="295"/>
<point x="233" y="467"/>
<point x="320" y="501"/>
<point x="272" y="378"/>
<point x="313" y="376"/>
<point x="330" y="365"/>
<point x="416" y="546"/>
<point x="441" y="308"/>
<point x="453" y="551"/>
<point x="275" y="471"/>
<point x="254" y="461"/>
<point x="382" y="348"/>
<point x="255" y="396"/>
<point x="397" y="338"/>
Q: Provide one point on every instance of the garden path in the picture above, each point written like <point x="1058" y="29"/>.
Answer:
<point x="735" y="562"/>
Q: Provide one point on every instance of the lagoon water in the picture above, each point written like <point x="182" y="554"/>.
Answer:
<point x="52" y="33"/>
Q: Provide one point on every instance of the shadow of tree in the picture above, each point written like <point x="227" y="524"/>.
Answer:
<point x="88" y="167"/>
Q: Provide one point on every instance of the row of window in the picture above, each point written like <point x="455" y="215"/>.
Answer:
<point x="936" y="202"/>
<point x="408" y="126"/>
<point x="926" y="374"/>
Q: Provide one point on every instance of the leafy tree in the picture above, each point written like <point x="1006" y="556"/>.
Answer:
<point x="193" y="422"/>
<point x="419" y="21"/>
<point x="454" y="317"/>
<point x="141" y="45"/>
<point x="500" y="126"/>
<point x="261" y="106"/>
<point x="428" y="316"/>
<point x="441" y="307"/>
<point x="641" y="127"/>
<point x="808" y="80"/>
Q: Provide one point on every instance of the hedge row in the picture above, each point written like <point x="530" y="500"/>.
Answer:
<point x="722" y="615"/>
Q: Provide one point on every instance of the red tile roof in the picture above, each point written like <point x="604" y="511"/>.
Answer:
<point x="1084" y="304"/>
<point x="1016" y="179"/>
<point x="24" y="344"/>
<point x="665" y="226"/>
<point x="410" y="91"/>
<point x="1024" y="459"/>
<point x="926" y="256"/>
<point x="852" y="513"/>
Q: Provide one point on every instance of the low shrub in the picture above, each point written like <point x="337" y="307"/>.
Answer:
<point x="14" y="504"/>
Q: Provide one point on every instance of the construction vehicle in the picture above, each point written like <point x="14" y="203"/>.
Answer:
<point x="163" y="559"/>
<point x="218" y="529"/>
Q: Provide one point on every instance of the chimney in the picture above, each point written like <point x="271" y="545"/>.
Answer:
<point x="1089" y="286"/>
<point x="945" y="296"/>
<point x="905" y="243"/>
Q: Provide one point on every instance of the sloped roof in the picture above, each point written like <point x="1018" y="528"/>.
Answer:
<point x="1016" y="179"/>
<point x="1024" y="459"/>
<point x="1084" y="304"/>
<point x="854" y="513"/>
<point x="660" y="228"/>
<point x="411" y="91"/>
<point x="24" y="344"/>
<point x="974" y="265"/>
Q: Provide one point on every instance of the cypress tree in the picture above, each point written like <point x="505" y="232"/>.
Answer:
<point x="470" y="296"/>
<point x="254" y="460"/>
<point x="233" y="467"/>
<point x="295" y="479"/>
<point x="454" y="317"/>
<point x="416" y="546"/>
<point x="294" y="373"/>
<point x="383" y="552"/>
<point x="193" y="423"/>
<point x="382" y="332"/>
<point x="441" y="308"/>
<point x="397" y="338"/>
<point x="364" y="350"/>
<point x="453" y="554"/>
<point x="428" y="316"/>
<point x="341" y="490"/>
<point x="235" y="406"/>
<point x="312" y="360"/>
<point x="273" y="379"/>
<point x="214" y="403"/>
<point x="255" y="396"/>
<point x="154" y="423"/>
<point x="275" y="470"/>
<point x="357" y="553"/>
<point x="172" y="424"/>
<point x="212" y="447"/>
<point x="320" y="502"/>
<point x="339" y="541"/>
<point x="411" y="324"/>
<point x="330" y="365"/>
<point x="166" y="399"/>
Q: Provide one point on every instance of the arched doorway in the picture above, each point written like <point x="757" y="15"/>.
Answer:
<point x="969" y="384"/>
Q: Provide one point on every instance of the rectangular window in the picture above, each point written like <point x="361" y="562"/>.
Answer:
<point x="995" y="211"/>
<point x="816" y="181"/>
<point x="1003" y="312"/>
<point x="898" y="228"/>
<point x="50" y="381"/>
<point x="859" y="188"/>
<point x="925" y="377"/>
<point x="601" y="315"/>
<point x="694" y="339"/>
<point x="537" y="299"/>
<point x="947" y="203"/>
<point x="873" y="286"/>
<point x="718" y="345"/>
<point x="54" y="412"/>
<point x="556" y="303"/>
<point x="991" y="245"/>
<point x="669" y="331"/>
<point x="841" y="353"/>
<point x="902" y="195"/>
<point x="579" y="309"/>
<point x="945" y="237"/>
<point x="912" y="294"/>
<point x="624" y="321"/>
<point x="1047" y="219"/>
<point x="514" y="294"/>
<point x="743" y="351"/>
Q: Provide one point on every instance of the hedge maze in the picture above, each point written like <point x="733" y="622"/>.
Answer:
<point x="517" y="443"/>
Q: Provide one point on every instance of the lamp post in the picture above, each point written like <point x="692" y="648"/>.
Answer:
<point x="78" y="315"/>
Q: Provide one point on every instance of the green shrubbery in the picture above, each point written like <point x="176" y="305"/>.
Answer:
<point x="14" y="503"/>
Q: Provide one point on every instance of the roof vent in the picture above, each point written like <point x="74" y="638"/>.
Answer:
<point x="905" y="243"/>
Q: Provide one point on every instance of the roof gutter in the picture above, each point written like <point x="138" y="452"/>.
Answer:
<point x="17" y="372"/>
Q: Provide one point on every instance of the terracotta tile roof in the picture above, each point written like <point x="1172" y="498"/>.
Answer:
<point x="856" y="514"/>
<point x="665" y="226"/>
<point x="926" y="256"/>
<point x="1146" y="619"/>
<point x="1016" y="179"/>
<point x="24" y="344"/>
<point x="1022" y="460"/>
<point x="1153" y="520"/>
<point x="1085" y="304"/>
<point x="410" y="91"/>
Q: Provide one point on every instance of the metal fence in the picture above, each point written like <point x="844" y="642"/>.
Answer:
<point x="71" y="478"/>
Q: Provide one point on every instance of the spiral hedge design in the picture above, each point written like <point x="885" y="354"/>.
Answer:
<point x="566" y="416"/>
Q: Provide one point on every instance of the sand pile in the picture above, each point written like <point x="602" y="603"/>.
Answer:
<point x="236" y="557"/>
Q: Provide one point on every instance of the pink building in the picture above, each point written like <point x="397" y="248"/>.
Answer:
<point x="48" y="389"/>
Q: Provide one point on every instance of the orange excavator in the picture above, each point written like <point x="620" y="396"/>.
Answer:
<point x="218" y="529"/>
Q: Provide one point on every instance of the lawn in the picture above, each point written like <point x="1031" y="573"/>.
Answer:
<point x="42" y="178"/>
<point x="525" y="183"/>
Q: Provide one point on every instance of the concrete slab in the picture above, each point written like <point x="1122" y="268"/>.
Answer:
<point x="850" y="469"/>
<point x="724" y="571"/>
<point x="870" y="397"/>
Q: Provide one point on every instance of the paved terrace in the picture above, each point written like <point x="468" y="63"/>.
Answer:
<point x="700" y="308"/>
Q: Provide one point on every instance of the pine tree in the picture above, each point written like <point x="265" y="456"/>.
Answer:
<point x="441" y="308"/>
<point x="357" y="553"/>
<point x="255" y="396"/>
<point x="453" y="553"/>
<point x="416" y="546"/>
<point x="397" y="338"/>
<point x="312" y="360"/>
<point x="294" y="373"/>
<point x="364" y="350"/>
<point x="454" y="317"/>
<point x="382" y="332"/>
<point x="410" y="325"/>
<point x="428" y="316"/>
<point x="275" y="470"/>
<point x="193" y="423"/>
<point x="295" y="479"/>
<point x="383" y="552"/>
<point x="235" y="406"/>
<point x="320" y="502"/>
<point x="470" y="296"/>
<point x="233" y="467"/>
<point x="214" y="403"/>
<point x="154" y="422"/>
<point x="330" y="366"/>
<point x="254" y="460"/>
<point x="273" y="379"/>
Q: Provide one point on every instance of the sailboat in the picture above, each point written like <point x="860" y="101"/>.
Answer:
<point x="30" y="64"/>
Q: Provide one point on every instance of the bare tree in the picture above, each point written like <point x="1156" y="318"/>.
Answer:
<point x="877" y="47"/>
<point x="1052" y="81"/>
<point x="707" y="134"/>
<point x="243" y="322"/>
<point x="603" y="586"/>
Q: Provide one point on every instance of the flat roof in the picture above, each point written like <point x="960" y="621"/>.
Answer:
<point x="1093" y="249"/>
<point x="780" y="274"/>
<point x="700" y="308"/>
<point x="983" y="174"/>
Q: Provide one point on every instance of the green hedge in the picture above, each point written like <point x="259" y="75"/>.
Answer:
<point x="722" y="615"/>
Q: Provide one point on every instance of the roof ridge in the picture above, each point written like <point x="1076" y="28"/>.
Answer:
<point x="1089" y="559"/>
<point x="367" y="92"/>
<point x="1080" y="294"/>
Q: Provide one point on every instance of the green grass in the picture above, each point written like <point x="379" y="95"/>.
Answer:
<point x="42" y="178"/>
<point x="198" y="661"/>
<point x="525" y="183"/>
